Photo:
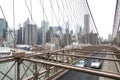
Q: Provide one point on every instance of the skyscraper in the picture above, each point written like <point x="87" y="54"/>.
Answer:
<point x="67" y="33"/>
<point x="86" y="29"/>
<point x="79" y="34"/>
<point x="45" y="27"/>
<point x="109" y="37"/>
<point x="3" y="30"/>
<point x="40" y="35"/>
<point x="30" y="34"/>
<point x="20" y="36"/>
<point x="26" y="22"/>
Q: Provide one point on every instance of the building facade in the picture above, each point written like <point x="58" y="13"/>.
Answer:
<point x="86" y="29"/>
<point x="91" y="38"/>
<point x="30" y="34"/>
<point x="20" y="36"/>
<point x="45" y="27"/>
<point x="3" y="30"/>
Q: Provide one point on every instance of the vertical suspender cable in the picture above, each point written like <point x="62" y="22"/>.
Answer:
<point x="31" y="22"/>
<point x="31" y="10"/>
<point x="14" y="32"/>
<point x="14" y="25"/>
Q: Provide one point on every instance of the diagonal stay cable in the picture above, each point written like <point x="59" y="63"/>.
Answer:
<point x="46" y="16"/>
<point x="70" y="13"/>
<point x="29" y="11"/>
<point x="54" y="12"/>
<point x="60" y="10"/>
<point x="14" y="24"/>
<point x="43" y="9"/>
<point x="93" y="21"/>
<point x="6" y="20"/>
<point x="64" y="9"/>
<point x="59" y="17"/>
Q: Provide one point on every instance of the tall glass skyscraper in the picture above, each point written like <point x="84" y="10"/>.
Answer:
<point x="3" y="28"/>
<point x="45" y="27"/>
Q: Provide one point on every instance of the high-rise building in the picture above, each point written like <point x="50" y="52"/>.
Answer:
<point x="67" y="35"/>
<point x="86" y="29"/>
<point x="20" y="36"/>
<point x="40" y="35"/>
<point x="91" y="38"/>
<point x="51" y="34"/>
<point x="54" y="33"/>
<point x="79" y="34"/>
<point x="30" y="34"/>
<point x="3" y="29"/>
<point x="61" y="34"/>
<point x="10" y="37"/>
<point x="48" y="36"/>
<point x="26" y="22"/>
<point x="71" y="36"/>
<point x="109" y="37"/>
<point x="45" y="27"/>
<point x="45" y="24"/>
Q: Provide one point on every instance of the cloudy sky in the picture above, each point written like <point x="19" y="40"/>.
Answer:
<point x="103" y="13"/>
<point x="102" y="10"/>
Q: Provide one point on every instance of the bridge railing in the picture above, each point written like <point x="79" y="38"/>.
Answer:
<point x="50" y="64"/>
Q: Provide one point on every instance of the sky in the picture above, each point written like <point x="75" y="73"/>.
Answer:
<point x="102" y="11"/>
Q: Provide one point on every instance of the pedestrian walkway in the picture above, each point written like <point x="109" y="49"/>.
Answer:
<point x="108" y="66"/>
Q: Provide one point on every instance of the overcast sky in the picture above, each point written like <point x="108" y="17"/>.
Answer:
<point x="103" y="13"/>
<point x="102" y="10"/>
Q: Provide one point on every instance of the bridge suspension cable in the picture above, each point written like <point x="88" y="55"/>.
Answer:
<point x="13" y="38"/>
<point x="93" y="21"/>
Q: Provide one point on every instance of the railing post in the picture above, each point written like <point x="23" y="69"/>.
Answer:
<point x="17" y="56"/>
<point x="48" y="71"/>
<point x="18" y="68"/>
<point x="36" y="72"/>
